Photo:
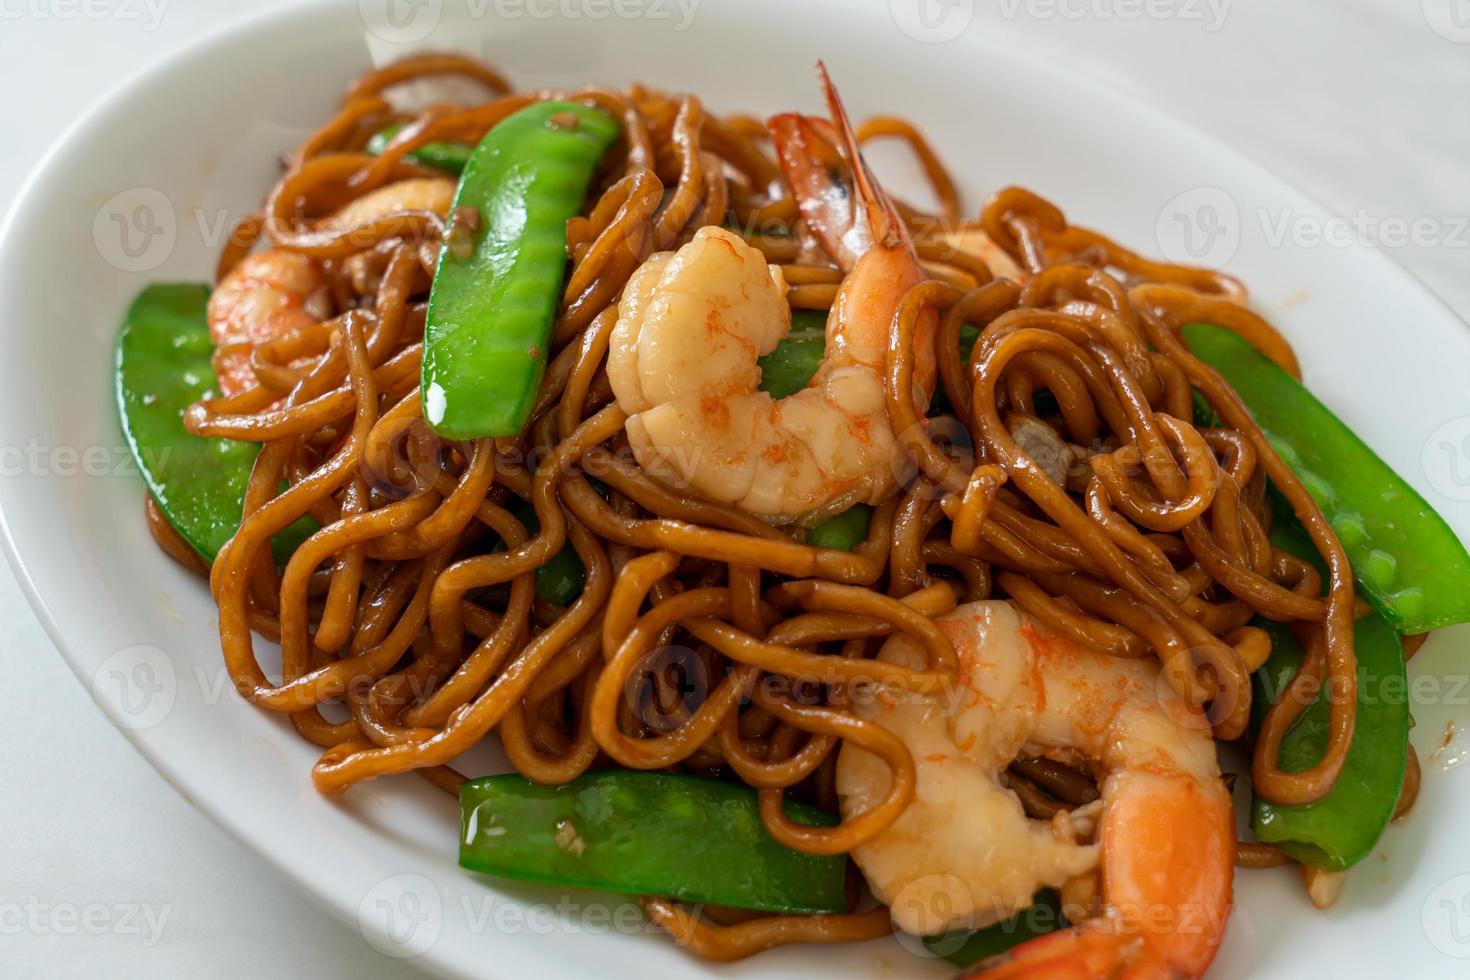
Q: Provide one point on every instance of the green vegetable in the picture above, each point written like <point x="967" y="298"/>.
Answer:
<point x="560" y="580"/>
<point x="646" y="833"/>
<point x="1204" y="413"/>
<point x="967" y="949"/>
<point x="1340" y="829"/>
<point x="497" y="286"/>
<point x="163" y="366"/>
<point x="449" y="157"/>
<point x="787" y="369"/>
<point x="1409" y="563"/>
<point x="844" y="532"/>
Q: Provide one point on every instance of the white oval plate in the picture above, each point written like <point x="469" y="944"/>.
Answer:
<point x="145" y="187"/>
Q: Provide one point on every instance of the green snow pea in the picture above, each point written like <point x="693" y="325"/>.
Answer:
<point x="162" y="367"/>
<point x="1340" y="829"/>
<point x="1409" y="563"/>
<point x="844" y="532"/>
<point x="559" y="581"/>
<point x="1044" y="402"/>
<point x="646" y="833"/>
<point x="967" y="949"/>
<point x="787" y="369"/>
<point x="448" y="157"/>
<point x="497" y="287"/>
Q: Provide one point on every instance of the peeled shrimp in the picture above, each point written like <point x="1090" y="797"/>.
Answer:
<point x="273" y="292"/>
<point x="973" y="241"/>
<point x="412" y="194"/>
<point x="964" y="855"/>
<point x="691" y="324"/>
<point x="265" y="295"/>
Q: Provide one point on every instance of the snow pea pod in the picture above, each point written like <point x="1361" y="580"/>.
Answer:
<point x="499" y="277"/>
<point x="1409" y="563"/>
<point x="965" y="949"/>
<point x="787" y="369"/>
<point x="559" y="581"/>
<point x="162" y="367"/>
<point x="448" y="157"/>
<point x="1340" y="829"/>
<point x="646" y="833"/>
<point x="844" y="532"/>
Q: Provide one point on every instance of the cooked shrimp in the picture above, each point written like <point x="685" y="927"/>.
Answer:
<point x="275" y="291"/>
<point x="265" y="295"/>
<point x="413" y="194"/>
<point x="976" y="242"/>
<point x="964" y="854"/>
<point x="691" y="324"/>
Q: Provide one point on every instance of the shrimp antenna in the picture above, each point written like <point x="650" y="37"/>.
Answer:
<point x="882" y="216"/>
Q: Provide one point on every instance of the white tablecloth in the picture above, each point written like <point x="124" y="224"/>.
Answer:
<point x="103" y="867"/>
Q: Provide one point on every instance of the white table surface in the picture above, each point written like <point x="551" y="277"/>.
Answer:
<point x="102" y="865"/>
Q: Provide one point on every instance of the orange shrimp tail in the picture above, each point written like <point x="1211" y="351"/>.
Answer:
<point x="1167" y="895"/>
<point x="1082" y="953"/>
<point x="1173" y="888"/>
<point x="883" y="221"/>
<point x="835" y="191"/>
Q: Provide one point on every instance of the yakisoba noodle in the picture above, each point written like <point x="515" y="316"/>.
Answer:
<point x="1138" y="533"/>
